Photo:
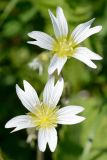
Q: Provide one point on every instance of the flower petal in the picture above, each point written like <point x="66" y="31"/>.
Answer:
<point x="49" y="87"/>
<point x="80" y="28"/>
<point x="70" y="110"/>
<point x="42" y="139"/>
<point x="52" y="93"/>
<point x="52" y="138"/>
<point x="57" y="92"/>
<point x="87" y="52"/>
<point x="82" y="55"/>
<point x="29" y="97"/>
<point x="20" y="122"/>
<point x="66" y="115"/>
<point x="62" y="22"/>
<point x="43" y="40"/>
<point x="56" y="63"/>
<point x="70" y="119"/>
<point x="55" y="25"/>
<point x="87" y="33"/>
<point x="41" y="44"/>
<point x="47" y="135"/>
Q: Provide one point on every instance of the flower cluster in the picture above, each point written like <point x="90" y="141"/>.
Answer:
<point x="46" y="115"/>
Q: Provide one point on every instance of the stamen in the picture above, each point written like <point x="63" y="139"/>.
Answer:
<point x="45" y="116"/>
<point x="64" y="47"/>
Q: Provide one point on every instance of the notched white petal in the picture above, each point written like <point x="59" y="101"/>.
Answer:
<point x="20" y="122"/>
<point x="52" y="92"/>
<point x="41" y="36"/>
<point x="55" y="25"/>
<point x="29" y="97"/>
<point x="85" y="60"/>
<point x="43" y="40"/>
<point x="87" y="33"/>
<point x="70" y="110"/>
<point x="85" y="55"/>
<point x="23" y="98"/>
<point x="52" y="138"/>
<point x="62" y="21"/>
<point x="56" y="63"/>
<point x="31" y="92"/>
<point x="47" y="135"/>
<point x="56" y="93"/>
<point x="81" y="27"/>
<point x="88" y="53"/>
<point x="41" y="45"/>
<point x="42" y="139"/>
<point x="67" y="115"/>
<point x="49" y="87"/>
<point x="70" y="119"/>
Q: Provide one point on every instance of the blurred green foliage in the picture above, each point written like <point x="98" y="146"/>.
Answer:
<point x="83" y="86"/>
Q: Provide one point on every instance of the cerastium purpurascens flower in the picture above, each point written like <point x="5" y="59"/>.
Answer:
<point x="46" y="115"/>
<point x="66" y="45"/>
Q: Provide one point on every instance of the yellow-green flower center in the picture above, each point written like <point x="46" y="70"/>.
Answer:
<point x="45" y="116"/>
<point x="64" y="47"/>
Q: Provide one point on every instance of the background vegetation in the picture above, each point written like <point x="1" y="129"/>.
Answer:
<point x="83" y="86"/>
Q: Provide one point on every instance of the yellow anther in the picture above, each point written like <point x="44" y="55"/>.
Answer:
<point x="63" y="47"/>
<point x="45" y="116"/>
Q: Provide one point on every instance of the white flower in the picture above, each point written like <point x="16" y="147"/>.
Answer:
<point x="66" y="45"/>
<point x="44" y="116"/>
<point x="36" y="64"/>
